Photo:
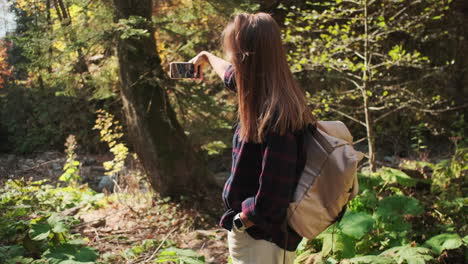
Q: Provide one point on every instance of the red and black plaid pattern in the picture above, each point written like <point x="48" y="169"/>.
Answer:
<point x="263" y="178"/>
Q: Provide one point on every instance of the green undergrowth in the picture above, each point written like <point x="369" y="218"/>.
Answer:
<point x="35" y="228"/>
<point x="155" y="251"/>
<point x="415" y="215"/>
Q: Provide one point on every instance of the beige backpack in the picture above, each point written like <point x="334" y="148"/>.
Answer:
<point x="328" y="182"/>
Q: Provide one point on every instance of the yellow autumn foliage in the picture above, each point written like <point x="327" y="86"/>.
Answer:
<point x="30" y="6"/>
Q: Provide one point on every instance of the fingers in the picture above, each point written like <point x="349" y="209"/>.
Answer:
<point x="198" y="65"/>
<point x="195" y="69"/>
<point x="197" y="62"/>
<point x="201" y="74"/>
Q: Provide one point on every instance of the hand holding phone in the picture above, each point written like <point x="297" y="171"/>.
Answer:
<point x="185" y="70"/>
<point x="199" y="62"/>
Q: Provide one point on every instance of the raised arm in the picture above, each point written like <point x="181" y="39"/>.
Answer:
<point x="218" y="64"/>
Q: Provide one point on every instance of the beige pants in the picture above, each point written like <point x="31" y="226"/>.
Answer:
<point x="244" y="249"/>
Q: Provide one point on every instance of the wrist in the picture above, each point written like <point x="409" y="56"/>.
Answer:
<point x="205" y="54"/>
<point x="238" y="224"/>
<point x="247" y="223"/>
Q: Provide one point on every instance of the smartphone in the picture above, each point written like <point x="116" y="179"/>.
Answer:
<point x="183" y="70"/>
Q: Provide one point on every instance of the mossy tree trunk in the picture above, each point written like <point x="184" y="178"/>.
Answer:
<point x="172" y="165"/>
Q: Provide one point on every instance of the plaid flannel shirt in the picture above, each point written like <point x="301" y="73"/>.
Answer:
<point x="262" y="181"/>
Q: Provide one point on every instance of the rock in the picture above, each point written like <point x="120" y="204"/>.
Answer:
<point x="56" y="166"/>
<point x="107" y="183"/>
<point x="24" y="164"/>
<point x="10" y="161"/>
<point x="10" y="158"/>
<point x="97" y="169"/>
<point x="85" y="172"/>
<point x="51" y="155"/>
<point x="29" y="162"/>
<point x="390" y="159"/>
<point x="87" y="161"/>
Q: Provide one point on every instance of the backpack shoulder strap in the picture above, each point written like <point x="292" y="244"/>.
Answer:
<point x="321" y="139"/>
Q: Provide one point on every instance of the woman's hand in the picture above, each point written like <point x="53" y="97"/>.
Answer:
<point x="246" y="220"/>
<point x="199" y="61"/>
<point x="219" y="65"/>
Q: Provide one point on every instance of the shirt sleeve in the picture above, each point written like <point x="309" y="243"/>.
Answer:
<point x="276" y="182"/>
<point x="230" y="79"/>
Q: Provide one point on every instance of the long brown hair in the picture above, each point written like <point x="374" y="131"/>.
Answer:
<point x="266" y="89"/>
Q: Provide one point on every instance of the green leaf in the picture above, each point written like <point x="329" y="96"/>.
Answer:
<point x="184" y="255"/>
<point x="57" y="224"/>
<point x="11" y="251"/>
<point x="397" y="205"/>
<point x="372" y="260"/>
<point x="444" y="241"/>
<point x="397" y="176"/>
<point x="183" y="252"/>
<point x="412" y="255"/>
<point x="191" y="260"/>
<point x="19" y="260"/>
<point x="339" y="243"/>
<point x="70" y="254"/>
<point x="39" y="231"/>
<point x="331" y="260"/>
<point x="356" y="224"/>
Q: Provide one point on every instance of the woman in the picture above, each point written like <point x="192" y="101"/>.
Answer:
<point x="268" y="153"/>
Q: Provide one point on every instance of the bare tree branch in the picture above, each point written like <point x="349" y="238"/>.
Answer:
<point x="390" y="112"/>
<point x="436" y="111"/>
<point x="359" y="140"/>
<point x="348" y="116"/>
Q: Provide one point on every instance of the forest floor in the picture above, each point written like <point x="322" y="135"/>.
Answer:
<point x="129" y="215"/>
<point x="131" y="219"/>
<point x="132" y="216"/>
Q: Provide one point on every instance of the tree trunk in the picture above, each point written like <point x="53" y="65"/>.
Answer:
<point x="369" y="128"/>
<point x="365" y="88"/>
<point x="66" y="20"/>
<point x="170" y="162"/>
<point x="49" y="29"/>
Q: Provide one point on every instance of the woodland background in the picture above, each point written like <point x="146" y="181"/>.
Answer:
<point x="105" y="159"/>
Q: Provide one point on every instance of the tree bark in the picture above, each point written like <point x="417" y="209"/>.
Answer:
<point x="172" y="166"/>
<point x="49" y="31"/>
